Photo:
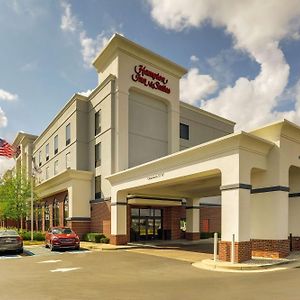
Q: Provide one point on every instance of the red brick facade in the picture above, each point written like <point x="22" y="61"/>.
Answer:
<point x="171" y="221"/>
<point x="242" y="251"/>
<point x="192" y="236"/>
<point x="270" y="248"/>
<point x="118" y="239"/>
<point x="100" y="217"/>
<point x="213" y="215"/>
<point x="295" y="243"/>
<point x="80" y="227"/>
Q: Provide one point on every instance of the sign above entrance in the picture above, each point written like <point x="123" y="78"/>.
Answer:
<point x="151" y="79"/>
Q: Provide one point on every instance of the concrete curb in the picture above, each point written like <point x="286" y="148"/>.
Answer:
<point x="209" y="264"/>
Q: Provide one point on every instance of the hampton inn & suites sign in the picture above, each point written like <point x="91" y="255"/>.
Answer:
<point x="151" y="79"/>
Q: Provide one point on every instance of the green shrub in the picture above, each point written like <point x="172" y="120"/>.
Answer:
<point x="95" y="237"/>
<point x="104" y="240"/>
<point x="26" y="235"/>
<point x="207" y="235"/>
<point x="37" y="235"/>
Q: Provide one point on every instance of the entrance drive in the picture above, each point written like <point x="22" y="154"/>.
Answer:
<point x="146" y="224"/>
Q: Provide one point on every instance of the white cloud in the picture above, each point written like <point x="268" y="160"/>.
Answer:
<point x="195" y="86"/>
<point x="257" y="27"/>
<point x="29" y="67"/>
<point x="68" y="21"/>
<point x="3" y="118"/>
<point x="86" y="93"/>
<point x="7" y="96"/>
<point x="5" y="164"/>
<point x="194" y="58"/>
<point x="89" y="46"/>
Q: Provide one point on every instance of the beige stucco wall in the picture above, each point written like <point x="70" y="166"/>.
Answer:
<point x="203" y="127"/>
<point x="148" y="128"/>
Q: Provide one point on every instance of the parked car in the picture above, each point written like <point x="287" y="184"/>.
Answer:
<point x="61" y="238"/>
<point x="10" y="240"/>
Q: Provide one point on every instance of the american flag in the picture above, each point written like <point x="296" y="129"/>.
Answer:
<point x="6" y="149"/>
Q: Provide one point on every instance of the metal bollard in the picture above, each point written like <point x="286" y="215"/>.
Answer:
<point x="215" y="246"/>
<point x="232" y="249"/>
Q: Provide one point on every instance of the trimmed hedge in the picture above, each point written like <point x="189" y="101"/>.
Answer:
<point x="37" y="235"/>
<point x="207" y="235"/>
<point x="95" y="237"/>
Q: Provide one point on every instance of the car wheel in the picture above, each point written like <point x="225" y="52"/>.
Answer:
<point x="77" y="248"/>
<point x="51" y="247"/>
<point x="20" y="251"/>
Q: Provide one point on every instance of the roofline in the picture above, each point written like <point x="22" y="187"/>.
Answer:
<point x="192" y="149"/>
<point x="75" y="97"/>
<point x="21" y="135"/>
<point x="117" y="37"/>
<point x="278" y="122"/>
<point x="206" y="113"/>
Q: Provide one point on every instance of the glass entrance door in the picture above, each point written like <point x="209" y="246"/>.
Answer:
<point x="146" y="224"/>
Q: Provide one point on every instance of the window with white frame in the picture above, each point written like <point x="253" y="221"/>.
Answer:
<point x="47" y="152"/>
<point x="56" y="144"/>
<point x="40" y="158"/>
<point x="68" y="134"/>
<point x="97" y="122"/>
<point x="98" y="155"/>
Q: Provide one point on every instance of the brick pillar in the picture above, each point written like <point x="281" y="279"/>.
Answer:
<point x="296" y="243"/>
<point x="270" y="248"/>
<point x="43" y="217"/>
<point x="80" y="225"/>
<point x="242" y="251"/>
<point x="51" y="214"/>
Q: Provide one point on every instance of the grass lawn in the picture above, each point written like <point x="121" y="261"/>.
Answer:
<point x="29" y="243"/>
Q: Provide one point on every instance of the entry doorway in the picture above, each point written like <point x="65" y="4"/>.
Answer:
<point x="146" y="224"/>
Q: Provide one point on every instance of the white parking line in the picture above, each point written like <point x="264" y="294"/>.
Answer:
<point x="10" y="256"/>
<point x="64" y="270"/>
<point x="49" y="261"/>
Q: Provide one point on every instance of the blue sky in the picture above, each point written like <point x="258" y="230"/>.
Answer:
<point x="242" y="56"/>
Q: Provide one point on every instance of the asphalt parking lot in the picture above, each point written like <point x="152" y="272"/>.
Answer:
<point x="124" y="274"/>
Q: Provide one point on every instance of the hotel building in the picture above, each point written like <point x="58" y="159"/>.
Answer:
<point x="134" y="162"/>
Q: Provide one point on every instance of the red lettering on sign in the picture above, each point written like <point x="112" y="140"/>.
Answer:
<point x="158" y="81"/>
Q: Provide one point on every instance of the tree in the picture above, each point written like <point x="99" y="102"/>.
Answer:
<point x="15" y="193"/>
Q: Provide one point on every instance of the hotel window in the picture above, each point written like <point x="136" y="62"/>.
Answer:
<point x="55" y="167"/>
<point x="97" y="122"/>
<point x="56" y="144"/>
<point x="47" y="152"/>
<point x="98" y="155"/>
<point x="40" y="158"/>
<point x="184" y="131"/>
<point x="47" y="173"/>
<point x="66" y="209"/>
<point x="68" y="160"/>
<point x="97" y="187"/>
<point x="68" y="134"/>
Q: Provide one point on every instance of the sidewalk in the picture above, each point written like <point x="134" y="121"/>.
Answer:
<point x="256" y="264"/>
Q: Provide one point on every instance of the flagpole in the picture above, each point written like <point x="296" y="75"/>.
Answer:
<point x="31" y="208"/>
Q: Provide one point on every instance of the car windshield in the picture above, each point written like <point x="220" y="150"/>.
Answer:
<point x="8" y="232"/>
<point x="62" y="231"/>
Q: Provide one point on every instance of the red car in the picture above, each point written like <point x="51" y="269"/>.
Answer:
<point x="61" y="238"/>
